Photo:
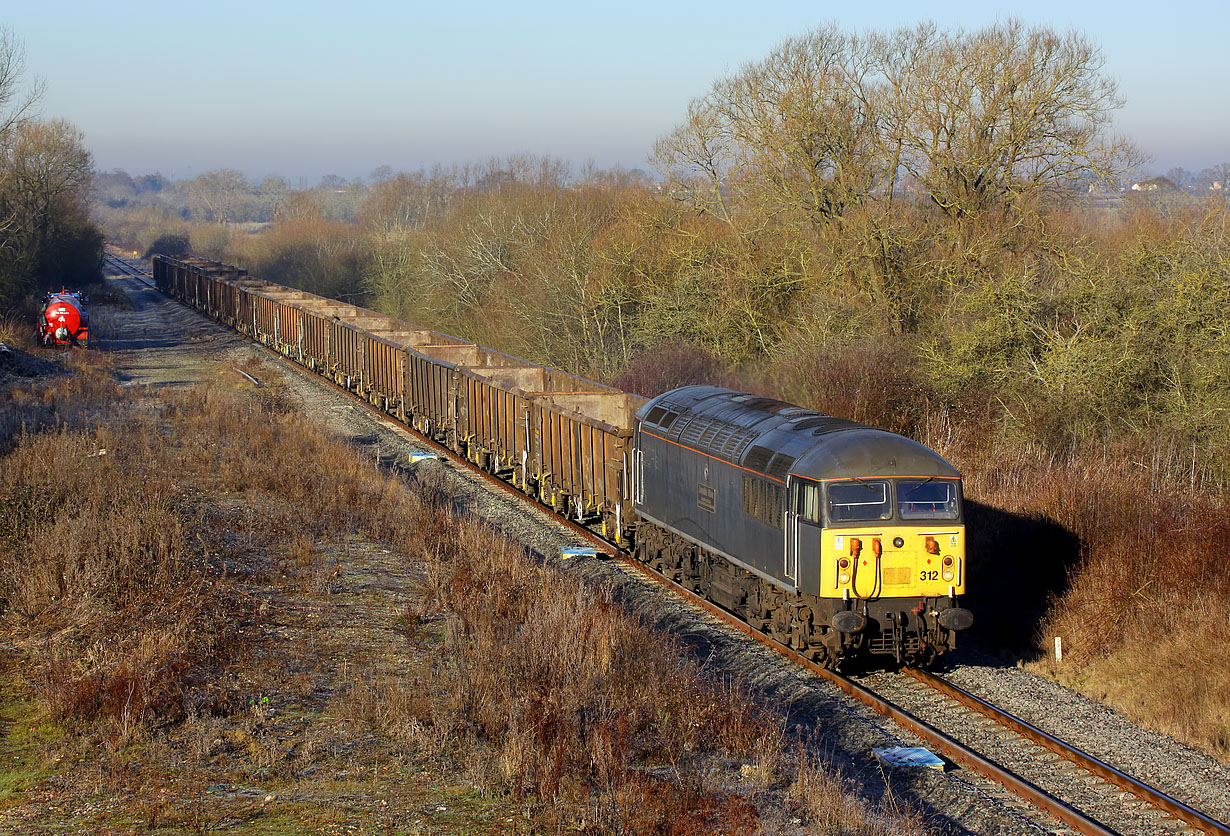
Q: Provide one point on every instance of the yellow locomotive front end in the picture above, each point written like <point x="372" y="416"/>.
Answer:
<point x="895" y="562"/>
<point x="892" y="563"/>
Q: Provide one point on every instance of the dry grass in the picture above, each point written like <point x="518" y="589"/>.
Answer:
<point x="141" y="587"/>
<point x="571" y="696"/>
<point x="834" y="808"/>
<point x="98" y="582"/>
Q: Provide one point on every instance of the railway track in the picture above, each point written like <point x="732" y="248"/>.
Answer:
<point x="125" y="267"/>
<point x="978" y="758"/>
<point x="1054" y="783"/>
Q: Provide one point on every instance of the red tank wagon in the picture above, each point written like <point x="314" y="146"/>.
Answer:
<point x="64" y="320"/>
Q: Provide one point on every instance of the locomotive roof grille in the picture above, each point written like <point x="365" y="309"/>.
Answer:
<point x="822" y="423"/>
<point x="758" y="458"/>
<point x="715" y="436"/>
<point x="780" y="465"/>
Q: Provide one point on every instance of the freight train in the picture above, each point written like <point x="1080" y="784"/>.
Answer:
<point x="842" y="541"/>
<point x="63" y="320"/>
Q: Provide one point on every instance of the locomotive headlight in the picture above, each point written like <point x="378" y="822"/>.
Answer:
<point x="948" y="574"/>
<point x="844" y="563"/>
<point x="898" y="542"/>
<point x="947" y="560"/>
<point x="844" y="577"/>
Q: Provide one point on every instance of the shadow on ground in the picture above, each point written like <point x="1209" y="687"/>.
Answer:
<point x="1017" y="566"/>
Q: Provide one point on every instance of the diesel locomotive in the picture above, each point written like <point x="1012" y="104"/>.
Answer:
<point x="836" y="538"/>
<point x="840" y="540"/>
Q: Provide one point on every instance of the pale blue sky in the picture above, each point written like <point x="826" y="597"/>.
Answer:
<point x="308" y="88"/>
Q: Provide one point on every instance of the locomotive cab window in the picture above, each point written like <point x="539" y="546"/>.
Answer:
<point x="858" y="500"/>
<point x="927" y="500"/>
<point x="807" y="501"/>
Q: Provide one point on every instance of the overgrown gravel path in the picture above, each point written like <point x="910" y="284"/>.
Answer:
<point x="179" y="345"/>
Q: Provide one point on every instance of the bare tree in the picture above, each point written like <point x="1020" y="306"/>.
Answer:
<point x="792" y="136"/>
<point x="220" y="193"/>
<point x="1220" y="174"/>
<point x="1003" y="114"/>
<point x="828" y="120"/>
<point x="46" y="180"/>
<point x="16" y="104"/>
<point x="697" y="158"/>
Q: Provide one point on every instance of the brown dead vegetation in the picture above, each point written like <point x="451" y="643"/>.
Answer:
<point x="186" y="592"/>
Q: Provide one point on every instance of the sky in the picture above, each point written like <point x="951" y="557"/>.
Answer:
<point x="306" y="89"/>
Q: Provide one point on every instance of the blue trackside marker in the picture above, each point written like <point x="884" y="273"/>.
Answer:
<point x="908" y="756"/>
<point x="578" y="551"/>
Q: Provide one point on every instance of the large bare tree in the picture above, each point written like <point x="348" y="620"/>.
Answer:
<point x="988" y="118"/>
<point x="17" y="99"/>
<point x="975" y="120"/>
<point x="17" y="103"/>
<point x="792" y="136"/>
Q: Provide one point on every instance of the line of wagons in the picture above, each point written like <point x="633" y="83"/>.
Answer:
<point x="838" y="539"/>
<point x="561" y="439"/>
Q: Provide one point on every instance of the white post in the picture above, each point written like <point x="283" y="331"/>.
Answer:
<point x="1058" y="649"/>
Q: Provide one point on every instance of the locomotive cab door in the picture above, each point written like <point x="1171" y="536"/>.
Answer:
<point x="803" y="535"/>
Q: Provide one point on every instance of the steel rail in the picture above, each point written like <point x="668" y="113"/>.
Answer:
<point x="127" y="269"/>
<point x="950" y="748"/>
<point x="1103" y="770"/>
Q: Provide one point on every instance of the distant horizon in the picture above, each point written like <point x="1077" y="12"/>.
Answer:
<point x="305" y="182"/>
<point x="303" y="90"/>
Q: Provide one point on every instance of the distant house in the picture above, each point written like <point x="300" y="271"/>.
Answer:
<point x="1217" y="186"/>
<point x="1157" y="184"/>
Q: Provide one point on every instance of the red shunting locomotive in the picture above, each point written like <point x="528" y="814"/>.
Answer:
<point x="64" y="320"/>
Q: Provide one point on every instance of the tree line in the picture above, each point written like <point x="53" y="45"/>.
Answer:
<point x="941" y="208"/>
<point x="46" y="235"/>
